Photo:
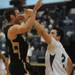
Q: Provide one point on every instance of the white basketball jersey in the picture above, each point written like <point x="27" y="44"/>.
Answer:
<point x="55" y="59"/>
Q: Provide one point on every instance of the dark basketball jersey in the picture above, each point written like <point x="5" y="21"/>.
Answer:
<point x="17" y="51"/>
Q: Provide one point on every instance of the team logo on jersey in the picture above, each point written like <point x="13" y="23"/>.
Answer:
<point x="63" y="60"/>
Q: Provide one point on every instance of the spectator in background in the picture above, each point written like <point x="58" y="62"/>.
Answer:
<point x="2" y="42"/>
<point x="3" y="65"/>
<point x="2" y="35"/>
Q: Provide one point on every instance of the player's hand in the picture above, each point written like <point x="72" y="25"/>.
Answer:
<point x="38" y="5"/>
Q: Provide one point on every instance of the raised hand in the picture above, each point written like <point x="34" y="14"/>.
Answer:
<point x="38" y="5"/>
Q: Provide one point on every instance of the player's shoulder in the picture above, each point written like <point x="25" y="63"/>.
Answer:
<point x="12" y="31"/>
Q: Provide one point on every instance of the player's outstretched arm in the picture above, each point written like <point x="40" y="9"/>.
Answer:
<point x="20" y="29"/>
<point x="69" y="68"/>
<point x="41" y="31"/>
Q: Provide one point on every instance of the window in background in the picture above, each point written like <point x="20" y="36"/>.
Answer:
<point x="32" y="2"/>
<point x="5" y="4"/>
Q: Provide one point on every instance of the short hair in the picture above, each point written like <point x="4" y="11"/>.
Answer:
<point x="8" y="13"/>
<point x="59" y="32"/>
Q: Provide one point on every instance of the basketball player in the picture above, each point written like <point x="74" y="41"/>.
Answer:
<point x="57" y="61"/>
<point x="18" y="46"/>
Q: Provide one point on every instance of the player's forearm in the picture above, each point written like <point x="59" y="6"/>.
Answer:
<point x="69" y="66"/>
<point x="30" y="22"/>
<point x="41" y="31"/>
<point x="35" y="9"/>
<point x="38" y="5"/>
<point x="28" y="25"/>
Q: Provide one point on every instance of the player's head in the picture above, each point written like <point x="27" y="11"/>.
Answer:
<point x="13" y="15"/>
<point x="9" y="15"/>
<point x="57" y="33"/>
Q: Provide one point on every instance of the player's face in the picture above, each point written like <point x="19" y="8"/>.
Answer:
<point x="53" y="32"/>
<point x="17" y="12"/>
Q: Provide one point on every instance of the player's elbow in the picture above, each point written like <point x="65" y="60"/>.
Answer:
<point x="10" y="36"/>
<point x="11" y="33"/>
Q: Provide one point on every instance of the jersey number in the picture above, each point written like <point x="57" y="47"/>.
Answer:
<point x="63" y="60"/>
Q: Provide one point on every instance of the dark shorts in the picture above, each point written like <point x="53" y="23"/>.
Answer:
<point x="17" y="68"/>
